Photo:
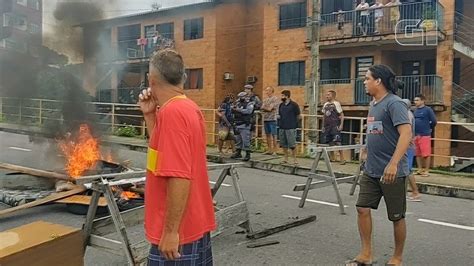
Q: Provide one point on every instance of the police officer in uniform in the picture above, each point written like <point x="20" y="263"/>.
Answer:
<point x="243" y="112"/>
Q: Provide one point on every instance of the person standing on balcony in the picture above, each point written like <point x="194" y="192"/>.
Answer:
<point x="394" y="13"/>
<point x="269" y="109"/>
<point x="179" y="213"/>
<point x="378" y="14"/>
<point x="425" y="122"/>
<point x="415" y="194"/>
<point x="333" y="122"/>
<point x="363" y="7"/>
<point x="288" y="117"/>
<point x="388" y="137"/>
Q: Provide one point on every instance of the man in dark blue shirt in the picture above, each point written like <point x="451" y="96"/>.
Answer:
<point x="288" y="116"/>
<point x="425" y="121"/>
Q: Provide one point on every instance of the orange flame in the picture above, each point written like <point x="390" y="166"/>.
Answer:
<point x="130" y="195"/>
<point x="81" y="153"/>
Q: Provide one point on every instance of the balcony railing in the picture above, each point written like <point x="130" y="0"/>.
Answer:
<point x="141" y="48"/>
<point x="431" y="86"/>
<point x="464" y="30"/>
<point x="127" y="95"/>
<point x="403" y="18"/>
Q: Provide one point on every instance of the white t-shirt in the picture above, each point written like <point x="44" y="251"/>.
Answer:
<point x="365" y="7"/>
<point x="378" y="12"/>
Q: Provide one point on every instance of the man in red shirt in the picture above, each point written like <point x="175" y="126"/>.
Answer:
<point x="178" y="204"/>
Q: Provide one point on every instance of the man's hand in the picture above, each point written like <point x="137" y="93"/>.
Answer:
<point x="390" y="174"/>
<point x="323" y="130"/>
<point x="146" y="102"/>
<point x="339" y="128"/>
<point x="169" y="245"/>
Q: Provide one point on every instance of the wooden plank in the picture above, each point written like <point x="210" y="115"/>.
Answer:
<point x="82" y="199"/>
<point x="232" y="216"/>
<point x="219" y="166"/>
<point x="276" y="229"/>
<point x="263" y="243"/>
<point x="105" y="225"/>
<point x="34" y="172"/>
<point x="48" y="199"/>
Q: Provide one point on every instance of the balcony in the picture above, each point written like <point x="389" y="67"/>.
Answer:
<point x="141" y="48"/>
<point x="430" y="86"/>
<point x="410" y="24"/>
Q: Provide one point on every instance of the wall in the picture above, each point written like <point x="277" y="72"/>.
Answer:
<point x="254" y="44"/>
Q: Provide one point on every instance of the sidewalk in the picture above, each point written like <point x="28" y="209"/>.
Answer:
<point x="436" y="184"/>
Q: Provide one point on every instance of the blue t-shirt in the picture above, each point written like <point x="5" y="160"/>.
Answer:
<point x="425" y="121"/>
<point x="382" y="135"/>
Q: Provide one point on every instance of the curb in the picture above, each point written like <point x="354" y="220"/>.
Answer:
<point x="425" y="188"/>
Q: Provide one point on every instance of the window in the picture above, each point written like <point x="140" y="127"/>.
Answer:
<point x="34" y="28"/>
<point x="291" y="73"/>
<point x="330" y="6"/>
<point x="149" y="31"/>
<point x="336" y="70"/>
<point x="194" y="79"/>
<point x="293" y="15"/>
<point x="35" y="4"/>
<point x="193" y="29"/>
<point x="15" y="21"/>
<point x="167" y="30"/>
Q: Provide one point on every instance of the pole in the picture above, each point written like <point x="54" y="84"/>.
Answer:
<point x="313" y="86"/>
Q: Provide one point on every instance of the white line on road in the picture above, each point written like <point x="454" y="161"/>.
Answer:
<point x="19" y="149"/>
<point x="465" y="227"/>
<point x="314" y="201"/>
<point x="223" y="184"/>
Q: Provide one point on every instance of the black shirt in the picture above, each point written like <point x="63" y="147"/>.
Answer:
<point x="288" y="115"/>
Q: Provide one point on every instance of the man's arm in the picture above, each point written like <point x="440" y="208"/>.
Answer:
<point x="246" y="111"/>
<point x="403" y="143"/>
<point x="150" y="120"/>
<point x="176" y="201"/>
<point x="433" y="120"/>
<point x="341" y="115"/>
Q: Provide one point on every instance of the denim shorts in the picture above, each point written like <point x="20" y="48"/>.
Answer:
<point x="270" y="127"/>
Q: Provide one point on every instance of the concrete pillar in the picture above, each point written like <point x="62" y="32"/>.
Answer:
<point x="444" y="69"/>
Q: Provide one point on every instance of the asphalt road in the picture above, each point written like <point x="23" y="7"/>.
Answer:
<point x="440" y="229"/>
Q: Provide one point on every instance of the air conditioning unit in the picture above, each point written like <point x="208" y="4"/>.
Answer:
<point x="228" y="76"/>
<point x="251" y="79"/>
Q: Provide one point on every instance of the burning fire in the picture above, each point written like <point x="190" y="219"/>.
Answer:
<point x="81" y="153"/>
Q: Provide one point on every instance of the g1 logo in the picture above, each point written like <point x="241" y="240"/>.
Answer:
<point x="416" y="32"/>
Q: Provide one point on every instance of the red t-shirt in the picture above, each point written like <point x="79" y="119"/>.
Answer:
<point x="178" y="149"/>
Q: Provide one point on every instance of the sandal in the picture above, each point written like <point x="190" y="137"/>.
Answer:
<point x="356" y="262"/>
<point x="284" y="162"/>
<point x="414" y="199"/>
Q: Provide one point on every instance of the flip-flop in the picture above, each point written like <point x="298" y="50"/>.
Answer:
<point x="414" y="199"/>
<point x="284" y="162"/>
<point x="356" y="262"/>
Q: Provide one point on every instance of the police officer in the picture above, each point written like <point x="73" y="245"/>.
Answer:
<point x="243" y="112"/>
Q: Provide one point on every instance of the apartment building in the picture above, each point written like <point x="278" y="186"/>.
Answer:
<point x="228" y="43"/>
<point x="20" y="37"/>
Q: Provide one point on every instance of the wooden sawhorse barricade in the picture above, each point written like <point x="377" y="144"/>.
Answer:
<point x="326" y="179"/>
<point x="96" y="230"/>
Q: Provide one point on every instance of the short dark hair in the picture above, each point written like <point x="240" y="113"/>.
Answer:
<point x="287" y="93"/>
<point x="170" y="65"/>
<point x="421" y="96"/>
<point x="333" y="93"/>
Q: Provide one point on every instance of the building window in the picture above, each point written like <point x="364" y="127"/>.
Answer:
<point x="34" y="28"/>
<point x="293" y="15"/>
<point x="34" y="4"/>
<point x="336" y="70"/>
<point x="194" y="79"/>
<point x="193" y="29"/>
<point x="15" y="21"/>
<point x="291" y="73"/>
<point x="166" y="30"/>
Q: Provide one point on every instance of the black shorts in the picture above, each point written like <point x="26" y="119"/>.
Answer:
<point x="372" y="190"/>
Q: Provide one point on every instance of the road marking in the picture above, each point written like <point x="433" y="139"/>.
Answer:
<point x="314" y="201"/>
<point x="19" y="149"/>
<point x="223" y="184"/>
<point x="465" y="227"/>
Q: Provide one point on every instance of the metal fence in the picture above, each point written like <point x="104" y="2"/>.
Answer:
<point x="464" y="30"/>
<point x="428" y="16"/>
